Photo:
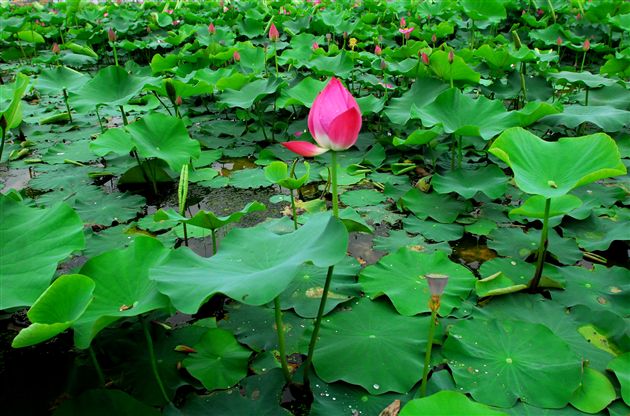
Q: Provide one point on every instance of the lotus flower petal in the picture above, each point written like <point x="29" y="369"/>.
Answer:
<point x="305" y="149"/>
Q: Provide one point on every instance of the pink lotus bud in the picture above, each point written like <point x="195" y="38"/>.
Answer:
<point x="274" y="35"/>
<point x="377" y="50"/>
<point x="559" y="41"/>
<point x="540" y="12"/>
<point x="345" y="35"/>
<point x="403" y="22"/>
<point x="334" y="122"/>
<point x="176" y="22"/>
<point x="433" y="38"/>
<point x="523" y="12"/>
<point x="425" y="58"/>
<point x="169" y="11"/>
<point x="586" y="45"/>
<point x="383" y="64"/>
<point x="55" y="48"/>
<point x="111" y="35"/>
<point x="178" y="101"/>
<point x="105" y="14"/>
<point x="578" y="16"/>
<point x="451" y="56"/>
<point x="315" y="46"/>
<point x="211" y="29"/>
<point x="236" y="56"/>
<point x="437" y="283"/>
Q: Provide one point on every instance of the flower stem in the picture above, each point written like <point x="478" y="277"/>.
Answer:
<point x="333" y="175"/>
<point x="100" y="123"/>
<point x="152" y="359"/>
<point x="115" y="54"/>
<point x="4" y="134"/>
<point x="281" y="342"/>
<point x="97" y="367"/>
<point x="583" y="60"/>
<point x="214" y="241"/>
<point x="295" y="221"/>
<point x="427" y="355"/>
<point x="542" y="249"/>
<point x="65" y="100"/>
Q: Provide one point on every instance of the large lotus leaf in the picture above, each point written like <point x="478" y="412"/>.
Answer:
<point x="421" y="93"/>
<point x="164" y="137"/>
<point x="401" y="277"/>
<point x="433" y="230"/>
<point x="104" y="403"/>
<point x="458" y="70"/>
<point x="305" y="291"/>
<point x="447" y="403"/>
<point x="373" y="330"/>
<point x="303" y="93"/>
<point x="116" y="140"/>
<point x="340" y="65"/>
<point x="595" y="392"/>
<point x="253" y="266"/>
<point x="52" y="81"/>
<point x="492" y="10"/>
<point x="459" y="114"/>
<point x="514" y="242"/>
<point x="250" y="93"/>
<point x="207" y="219"/>
<point x="534" y="206"/>
<point x="49" y="235"/>
<point x="621" y="367"/>
<point x="594" y="196"/>
<point x="442" y="208"/>
<point x="123" y="287"/>
<point x="489" y="179"/>
<point x="554" y="168"/>
<point x="56" y="309"/>
<point x="110" y="86"/>
<point x="498" y="362"/>
<point x="600" y="289"/>
<point x="219" y="361"/>
<point x="583" y="78"/>
<point x="596" y="233"/>
<point x="11" y="110"/>
<point x="607" y="118"/>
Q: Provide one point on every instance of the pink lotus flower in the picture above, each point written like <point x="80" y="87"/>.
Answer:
<point x="105" y="14"/>
<point x="425" y="58"/>
<point x="377" y="50"/>
<point x="55" y="49"/>
<point x="334" y="122"/>
<point x="111" y="35"/>
<point x="315" y="46"/>
<point x="236" y="56"/>
<point x="178" y="101"/>
<point x="406" y="32"/>
<point x="274" y="35"/>
<point x="169" y="11"/>
<point x="403" y="22"/>
<point x="586" y="45"/>
<point x="212" y="29"/>
<point x="176" y="22"/>
<point x="451" y="56"/>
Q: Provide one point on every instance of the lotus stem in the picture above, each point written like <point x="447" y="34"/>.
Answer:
<point x="434" y="304"/>
<point x="124" y="116"/>
<point x="262" y="123"/>
<point x="523" y="86"/>
<point x="100" y="123"/>
<point x="281" y="342"/>
<point x="162" y="102"/>
<point x="583" y="60"/>
<point x="214" y="241"/>
<point x="294" y="210"/>
<point x="586" y="99"/>
<point x="97" y="367"/>
<point x="65" y="100"/>
<point x="333" y="181"/>
<point x="542" y="249"/>
<point x="182" y="196"/>
<point x="4" y="134"/>
<point x="553" y="13"/>
<point x="152" y="359"/>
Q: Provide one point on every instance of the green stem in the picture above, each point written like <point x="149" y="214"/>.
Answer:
<point x="460" y="154"/>
<point x="451" y="74"/>
<point x="144" y="172"/>
<point x="124" y="116"/>
<point x="583" y="60"/>
<point x="295" y="221"/>
<point x="453" y="145"/>
<point x="262" y="123"/>
<point x="523" y="86"/>
<point x="542" y="249"/>
<point x="162" y="102"/>
<point x="318" y="322"/>
<point x="553" y="13"/>
<point x="65" y="100"/>
<point x="427" y="355"/>
<point x="586" y="100"/>
<point x="98" y="116"/>
<point x="275" y="57"/>
<point x="115" y="53"/>
<point x="281" y="342"/>
<point x="4" y="131"/>
<point x="152" y="359"/>
<point x="97" y="367"/>
<point x="185" y="234"/>
<point x="214" y="241"/>
<point x="333" y="175"/>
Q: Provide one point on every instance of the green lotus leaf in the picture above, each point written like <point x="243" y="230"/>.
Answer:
<point x="278" y="172"/>
<point x="362" y="197"/>
<point x="164" y="137"/>
<point x="489" y="179"/>
<point x="103" y="402"/>
<point x="50" y="234"/>
<point x="30" y="36"/>
<point x="419" y="137"/>
<point x="116" y="140"/>
<point x="442" y="208"/>
<point x="207" y="219"/>
<point x="554" y="168"/>
<point x="123" y="288"/>
<point x="584" y="78"/>
<point x="595" y="393"/>
<point x="621" y="367"/>
<point x="56" y="309"/>
<point x="608" y="118"/>
<point x="596" y="233"/>
<point x="447" y="403"/>
<point x="492" y="10"/>
<point x="515" y="243"/>
<point x="520" y="360"/>
<point x="458" y="70"/>
<point x="340" y="65"/>
<point x="111" y="86"/>
<point x="240" y="271"/>
<point x="421" y="93"/>
<point x="219" y="361"/>
<point x="302" y="93"/>
<point x="534" y="206"/>
<point x="54" y="80"/>
<point x="248" y="94"/>
<point x="11" y="110"/>
<point x="432" y="230"/>
<point x="371" y="329"/>
<point x="401" y="277"/>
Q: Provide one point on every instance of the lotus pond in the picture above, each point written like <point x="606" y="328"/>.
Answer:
<point x="315" y="208"/>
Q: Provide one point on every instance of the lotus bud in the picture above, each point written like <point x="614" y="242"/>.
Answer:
<point x="425" y="58"/>
<point x="236" y="56"/>
<point x="178" y="101"/>
<point x="170" y="90"/>
<point x="586" y="45"/>
<point x="211" y="29"/>
<point x="345" y="35"/>
<point x="55" y="48"/>
<point x="111" y="35"/>
<point x="540" y="12"/>
<point x="433" y="38"/>
<point x="315" y="46"/>
<point x="451" y="56"/>
<point x="383" y="64"/>
<point x="403" y="22"/>
<point x="559" y="41"/>
<point x="578" y="16"/>
<point x="274" y="35"/>
<point x="377" y="50"/>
